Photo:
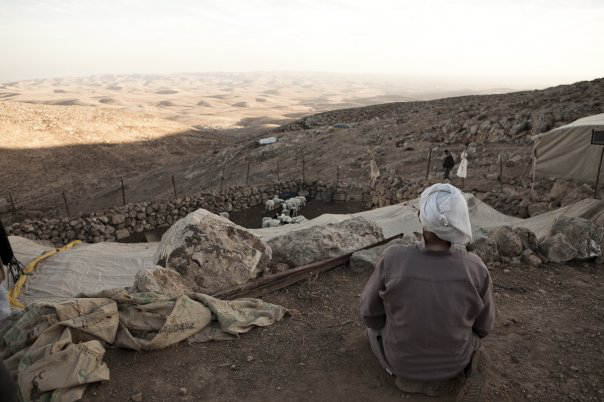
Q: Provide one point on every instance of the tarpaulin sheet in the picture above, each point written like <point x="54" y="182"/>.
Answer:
<point x="56" y="348"/>
<point x="93" y="267"/>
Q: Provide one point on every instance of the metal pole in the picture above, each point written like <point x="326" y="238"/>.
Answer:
<point x="429" y="160"/>
<point x="123" y="192"/>
<point x="66" y="205"/>
<point x="247" y="176"/>
<point x="174" y="187"/>
<point x="12" y="202"/>
<point x="598" y="176"/>
<point x="500" y="173"/>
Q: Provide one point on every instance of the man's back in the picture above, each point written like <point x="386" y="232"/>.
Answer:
<point x="433" y="306"/>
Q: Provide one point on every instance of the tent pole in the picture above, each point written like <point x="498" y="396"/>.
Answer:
<point x="598" y="176"/>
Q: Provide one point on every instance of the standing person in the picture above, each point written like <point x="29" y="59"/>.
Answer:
<point x="462" y="170"/>
<point x="8" y="387"/>
<point x="448" y="164"/>
<point x="427" y="306"/>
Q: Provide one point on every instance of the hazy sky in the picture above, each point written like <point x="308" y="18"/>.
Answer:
<point x="499" y="41"/>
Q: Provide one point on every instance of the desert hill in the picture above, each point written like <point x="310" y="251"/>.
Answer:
<point x="397" y="135"/>
<point x="228" y="100"/>
<point x="149" y="150"/>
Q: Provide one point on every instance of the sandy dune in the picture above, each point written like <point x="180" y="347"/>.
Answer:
<point x="224" y="100"/>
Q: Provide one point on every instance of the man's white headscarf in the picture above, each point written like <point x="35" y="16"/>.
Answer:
<point x="443" y="210"/>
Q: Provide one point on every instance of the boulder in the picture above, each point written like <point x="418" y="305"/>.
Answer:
<point x="211" y="252"/>
<point x="117" y="219"/>
<point x="320" y="242"/>
<point x="161" y="280"/>
<point x="528" y="238"/>
<point x="557" y="249"/>
<point x="584" y="235"/>
<point x="530" y="258"/>
<point x="561" y="189"/>
<point x="508" y="242"/>
<point x="485" y="248"/>
<point x="365" y="260"/>
<point x="538" y="208"/>
<point x="121" y="234"/>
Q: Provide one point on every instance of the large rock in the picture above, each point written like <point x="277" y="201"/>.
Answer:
<point x="508" y="242"/>
<point x="319" y="242"/>
<point x="161" y="280"/>
<point x="585" y="236"/>
<point x="365" y="260"/>
<point x="211" y="252"/>
<point x="538" y="208"/>
<point x="557" y="249"/>
<point x="485" y="248"/>
<point x="528" y="238"/>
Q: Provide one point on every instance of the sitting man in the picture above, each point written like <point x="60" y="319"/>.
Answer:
<point x="427" y="306"/>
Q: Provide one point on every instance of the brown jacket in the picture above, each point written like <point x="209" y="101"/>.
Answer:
<point x="432" y="307"/>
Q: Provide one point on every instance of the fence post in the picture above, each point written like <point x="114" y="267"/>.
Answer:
<point x="66" y="205"/>
<point x="221" y="179"/>
<point x="501" y="173"/>
<point x="247" y="175"/>
<point x="123" y="192"/>
<point x="598" y="176"/>
<point x="429" y="160"/>
<point x="174" y="187"/>
<point x="12" y="202"/>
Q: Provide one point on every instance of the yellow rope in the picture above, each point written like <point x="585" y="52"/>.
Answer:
<point x="15" y="292"/>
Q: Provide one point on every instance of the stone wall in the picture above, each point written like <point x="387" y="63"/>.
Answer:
<point x="119" y="223"/>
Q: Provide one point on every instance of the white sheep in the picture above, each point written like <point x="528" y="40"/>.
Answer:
<point x="270" y="205"/>
<point x="284" y="218"/>
<point x="278" y="201"/>
<point x="298" y="219"/>
<point x="270" y="222"/>
<point x="302" y="200"/>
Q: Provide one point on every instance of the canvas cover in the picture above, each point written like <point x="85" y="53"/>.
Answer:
<point x="566" y="152"/>
<point x="89" y="268"/>
<point x="57" y="346"/>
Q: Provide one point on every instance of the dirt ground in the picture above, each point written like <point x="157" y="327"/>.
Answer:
<point x="548" y="345"/>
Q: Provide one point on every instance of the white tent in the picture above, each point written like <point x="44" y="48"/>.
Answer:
<point x="567" y="152"/>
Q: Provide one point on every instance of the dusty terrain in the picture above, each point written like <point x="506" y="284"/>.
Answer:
<point x="230" y="100"/>
<point x="548" y="345"/>
<point x="549" y="340"/>
<point x="397" y="135"/>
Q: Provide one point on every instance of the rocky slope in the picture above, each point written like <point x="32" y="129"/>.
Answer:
<point x="511" y="117"/>
<point x="397" y="136"/>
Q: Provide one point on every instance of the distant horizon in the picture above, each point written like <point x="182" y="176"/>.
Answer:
<point x="515" y="43"/>
<point x="456" y="82"/>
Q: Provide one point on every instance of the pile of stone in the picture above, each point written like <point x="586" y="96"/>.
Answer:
<point x="570" y="238"/>
<point x="390" y="189"/>
<point x="505" y="244"/>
